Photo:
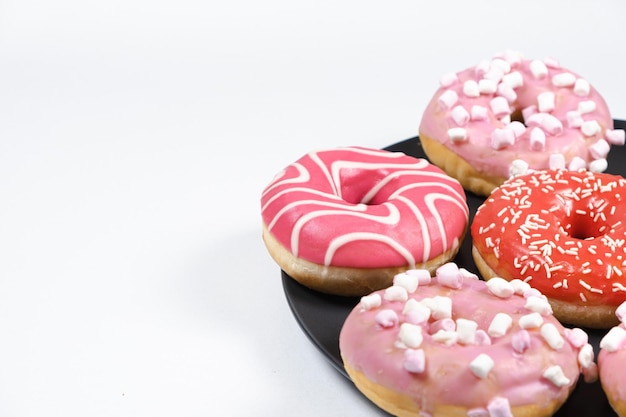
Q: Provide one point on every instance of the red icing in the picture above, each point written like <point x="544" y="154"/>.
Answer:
<point x="564" y="232"/>
<point x="359" y="207"/>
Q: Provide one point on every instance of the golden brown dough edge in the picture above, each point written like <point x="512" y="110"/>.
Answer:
<point x="458" y="168"/>
<point x="616" y="404"/>
<point x="342" y="280"/>
<point x="404" y="406"/>
<point x="591" y="316"/>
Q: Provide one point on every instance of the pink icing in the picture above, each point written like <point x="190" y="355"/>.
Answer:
<point x="572" y="115"/>
<point x="359" y="207"/>
<point x="534" y="365"/>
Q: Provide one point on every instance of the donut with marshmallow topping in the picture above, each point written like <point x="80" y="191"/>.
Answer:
<point x="456" y="345"/>
<point x="611" y="362"/>
<point x="509" y="114"/>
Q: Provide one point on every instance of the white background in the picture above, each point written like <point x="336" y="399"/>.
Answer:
<point x="135" y="140"/>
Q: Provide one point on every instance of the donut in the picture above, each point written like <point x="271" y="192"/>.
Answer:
<point x="509" y="114"/>
<point x="611" y="362"/>
<point x="455" y="345"/>
<point x="562" y="232"/>
<point x="344" y="221"/>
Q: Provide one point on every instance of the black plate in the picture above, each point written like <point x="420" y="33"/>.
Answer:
<point x="321" y="316"/>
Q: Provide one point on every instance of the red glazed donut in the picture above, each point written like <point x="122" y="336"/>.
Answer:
<point x="460" y="346"/>
<point x="344" y="221"/>
<point x="611" y="362"/>
<point x="510" y="114"/>
<point x="564" y="233"/>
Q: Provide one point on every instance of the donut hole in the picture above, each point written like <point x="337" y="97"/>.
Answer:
<point x="584" y="227"/>
<point x="517" y="116"/>
<point x="360" y="187"/>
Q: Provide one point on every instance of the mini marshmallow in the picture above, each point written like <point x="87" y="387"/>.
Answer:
<point x="386" y="318"/>
<point x="547" y="122"/>
<point x="546" y="101"/>
<point x="414" y="360"/>
<point x="457" y="134"/>
<point x="529" y="111"/>
<point x="615" y="137"/>
<point x="576" y="337"/>
<point x="396" y="293"/>
<point x="564" y="79"/>
<point x="501" y="138"/>
<point x="518" y="128"/>
<point x="519" y="286"/>
<point x="449" y="276"/>
<point x="507" y="92"/>
<point x="520" y="341"/>
<point x="574" y="119"/>
<point x="411" y="335"/>
<point x="506" y="119"/>
<point x="460" y="115"/>
<point x="576" y="164"/>
<point x="620" y="312"/>
<point x="555" y="375"/>
<point x="445" y="337"/>
<point x="538" y="68"/>
<point x="416" y="312"/>
<point x="423" y="275"/>
<point x="552" y="62"/>
<point x="513" y="79"/>
<point x="477" y="412"/>
<point x="518" y="167"/>
<point x="500" y="324"/>
<point x="585" y="356"/>
<point x="448" y="79"/>
<point x="478" y="112"/>
<point x="556" y="161"/>
<point x="407" y="281"/>
<point x="600" y="149"/>
<point x="538" y="305"/>
<point x="482" y="67"/>
<point x="586" y="106"/>
<point x="371" y="301"/>
<point x="482" y="338"/>
<point x="494" y="74"/>
<point x="470" y="89"/>
<point x="598" y="165"/>
<point x="500" y="287"/>
<point x="500" y="106"/>
<point x="499" y="407"/>
<point x="531" y="321"/>
<point x="613" y="340"/>
<point x="466" y="331"/>
<point x="513" y="57"/>
<point x="446" y="324"/>
<point x="501" y="64"/>
<point x="481" y="365"/>
<point x="590" y="127"/>
<point x="486" y="86"/>
<point x="447" y="99"/>
<point x="551" y="335"/>
<point x="582" y="87"/>
<point x="442" y="308"/>
<point x="537" y="139"/>
<point x="467" y="274"/>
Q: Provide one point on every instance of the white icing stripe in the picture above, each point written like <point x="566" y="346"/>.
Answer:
<point x="322" y="166"/>
<point x="423" y="226"/>
<point x="392" y="218"/>
<point x="340" y="205"/>
<point x="342" y="240"/>
<point x="307" y="190"/>
<point x="303" y="176"/>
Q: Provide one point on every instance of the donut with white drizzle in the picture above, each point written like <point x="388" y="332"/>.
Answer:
<point x="564" y="233"/>
<point x="510" y="114"/>
<point x="455" y="345"/>
<point x="345" y="220"/>
<point x="611" y="362"/>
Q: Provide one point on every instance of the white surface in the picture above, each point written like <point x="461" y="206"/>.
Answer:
<point x="135" y="140"/>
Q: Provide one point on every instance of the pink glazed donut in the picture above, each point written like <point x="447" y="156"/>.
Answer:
<point x="508" y="115"/>
<point x="611" y="362"/>
<point x="344" y="221"/>
<point x="455" y="345"/>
